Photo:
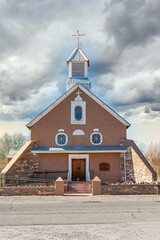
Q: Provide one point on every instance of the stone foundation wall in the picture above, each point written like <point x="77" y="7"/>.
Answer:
<point x="130" y="189"/>
<point x="27" y="190"/>
<point x="27" y="162"/>
<point x="105" y="189"/>
<point x="141" y="172"/>
<point x="138" y="170"/>
<point x="129" y="167"/>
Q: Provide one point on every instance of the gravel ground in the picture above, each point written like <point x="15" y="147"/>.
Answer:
<point x="134" y="231"/>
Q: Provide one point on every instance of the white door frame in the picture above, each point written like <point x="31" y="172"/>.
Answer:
<point x="77" y="156"/>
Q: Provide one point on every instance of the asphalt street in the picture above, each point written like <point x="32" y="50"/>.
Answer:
<point x="33" y="210"/>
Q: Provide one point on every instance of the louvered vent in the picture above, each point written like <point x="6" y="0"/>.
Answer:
<point x="78" y="70"/>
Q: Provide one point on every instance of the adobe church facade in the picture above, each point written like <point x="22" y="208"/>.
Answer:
<point x="80" y="137"/>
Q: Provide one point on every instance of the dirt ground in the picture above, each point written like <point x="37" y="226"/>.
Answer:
<point x="132" y="231"/>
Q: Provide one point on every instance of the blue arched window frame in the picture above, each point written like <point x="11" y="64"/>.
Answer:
<point x="78" y="113"/>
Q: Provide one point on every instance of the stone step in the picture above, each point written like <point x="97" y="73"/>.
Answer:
<point x="78" y="187"/>
<point x="77" y="191"/>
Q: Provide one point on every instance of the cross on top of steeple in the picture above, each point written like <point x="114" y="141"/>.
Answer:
<point x="78" y="35"/>
<point x="78" y="65"/>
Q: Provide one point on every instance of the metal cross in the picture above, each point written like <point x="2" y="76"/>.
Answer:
<point x="78" y="93"/>
<point x="78" y="35"/>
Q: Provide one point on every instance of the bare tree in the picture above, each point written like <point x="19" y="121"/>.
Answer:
<point x="153" y="156"/>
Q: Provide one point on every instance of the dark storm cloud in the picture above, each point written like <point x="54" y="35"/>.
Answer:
<point x="19" y="87"/>
<point x="132" y="23"/>
<point x="147" y="109"/>
<point x="35" y="41"/>
<point x="25" y="25"/>
<point x="136" y="94"/>
<point x="155" y="107"/>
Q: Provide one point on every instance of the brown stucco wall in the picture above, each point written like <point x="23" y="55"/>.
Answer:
<point x="113" y="159"/>
<point x="59" y="162"/>
<point x="46" y="129"/>
<point x="56" y="162"/>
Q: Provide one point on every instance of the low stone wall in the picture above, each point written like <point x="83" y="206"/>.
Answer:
<point x="27" y="190"/>
<point x="130" y="189"/>
<point x="140" y="189"/>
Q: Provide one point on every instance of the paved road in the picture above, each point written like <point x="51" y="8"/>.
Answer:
<point x="25" y="211"/>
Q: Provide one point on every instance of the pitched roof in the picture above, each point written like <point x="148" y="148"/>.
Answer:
<point x="95" y="98"/>
<point x="79" y="149"/>
<point x="77" y="56"/>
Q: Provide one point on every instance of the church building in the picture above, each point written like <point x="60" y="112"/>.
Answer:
<point x="79" y="137"/>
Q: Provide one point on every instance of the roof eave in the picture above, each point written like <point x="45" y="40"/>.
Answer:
<point x="94" y="97"/>
<point x="46" y="110"/>
<point x="78" y="151"/>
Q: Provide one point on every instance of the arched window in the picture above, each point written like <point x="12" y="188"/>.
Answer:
<point x="78" y="113"/>
<point x="61" y="139"/>
<point x="104" y="166"/>
<point x="96" y="138"/>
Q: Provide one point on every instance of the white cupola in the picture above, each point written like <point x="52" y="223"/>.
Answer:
<point x="78" y="67"/>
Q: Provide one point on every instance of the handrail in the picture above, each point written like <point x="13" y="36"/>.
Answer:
<point x="68" y="177"/>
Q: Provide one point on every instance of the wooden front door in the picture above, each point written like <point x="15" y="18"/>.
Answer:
<point x="78" y="169"/>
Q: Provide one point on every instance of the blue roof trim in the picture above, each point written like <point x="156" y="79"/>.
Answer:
<point x="80" y="148"/>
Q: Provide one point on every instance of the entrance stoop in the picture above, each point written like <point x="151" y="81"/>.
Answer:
<point x="78" y="187"/>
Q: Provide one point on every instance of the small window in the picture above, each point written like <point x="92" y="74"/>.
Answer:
<point x="78" y="113"/>
<point x="104" y="167"/>
<point x="96" y="138"/>
<point x="61" y="139"/>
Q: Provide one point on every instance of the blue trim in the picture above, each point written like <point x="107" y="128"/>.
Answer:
<point x="80" y="148"/>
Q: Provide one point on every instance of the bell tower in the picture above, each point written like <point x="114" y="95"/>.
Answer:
<point x="78" y="65"/>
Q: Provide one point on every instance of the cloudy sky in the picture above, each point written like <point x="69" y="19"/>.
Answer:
<point x="122" y="43"/>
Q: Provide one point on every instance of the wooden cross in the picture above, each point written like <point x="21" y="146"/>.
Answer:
<point x="78" y="35"/>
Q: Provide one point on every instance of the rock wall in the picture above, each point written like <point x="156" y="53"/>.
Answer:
<point x="24" y="162"/>
<point x="129" y="167"/>
<point x="130" y="189"/>
<point x="138" y="169"/>
<point x="29" y="190"/>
